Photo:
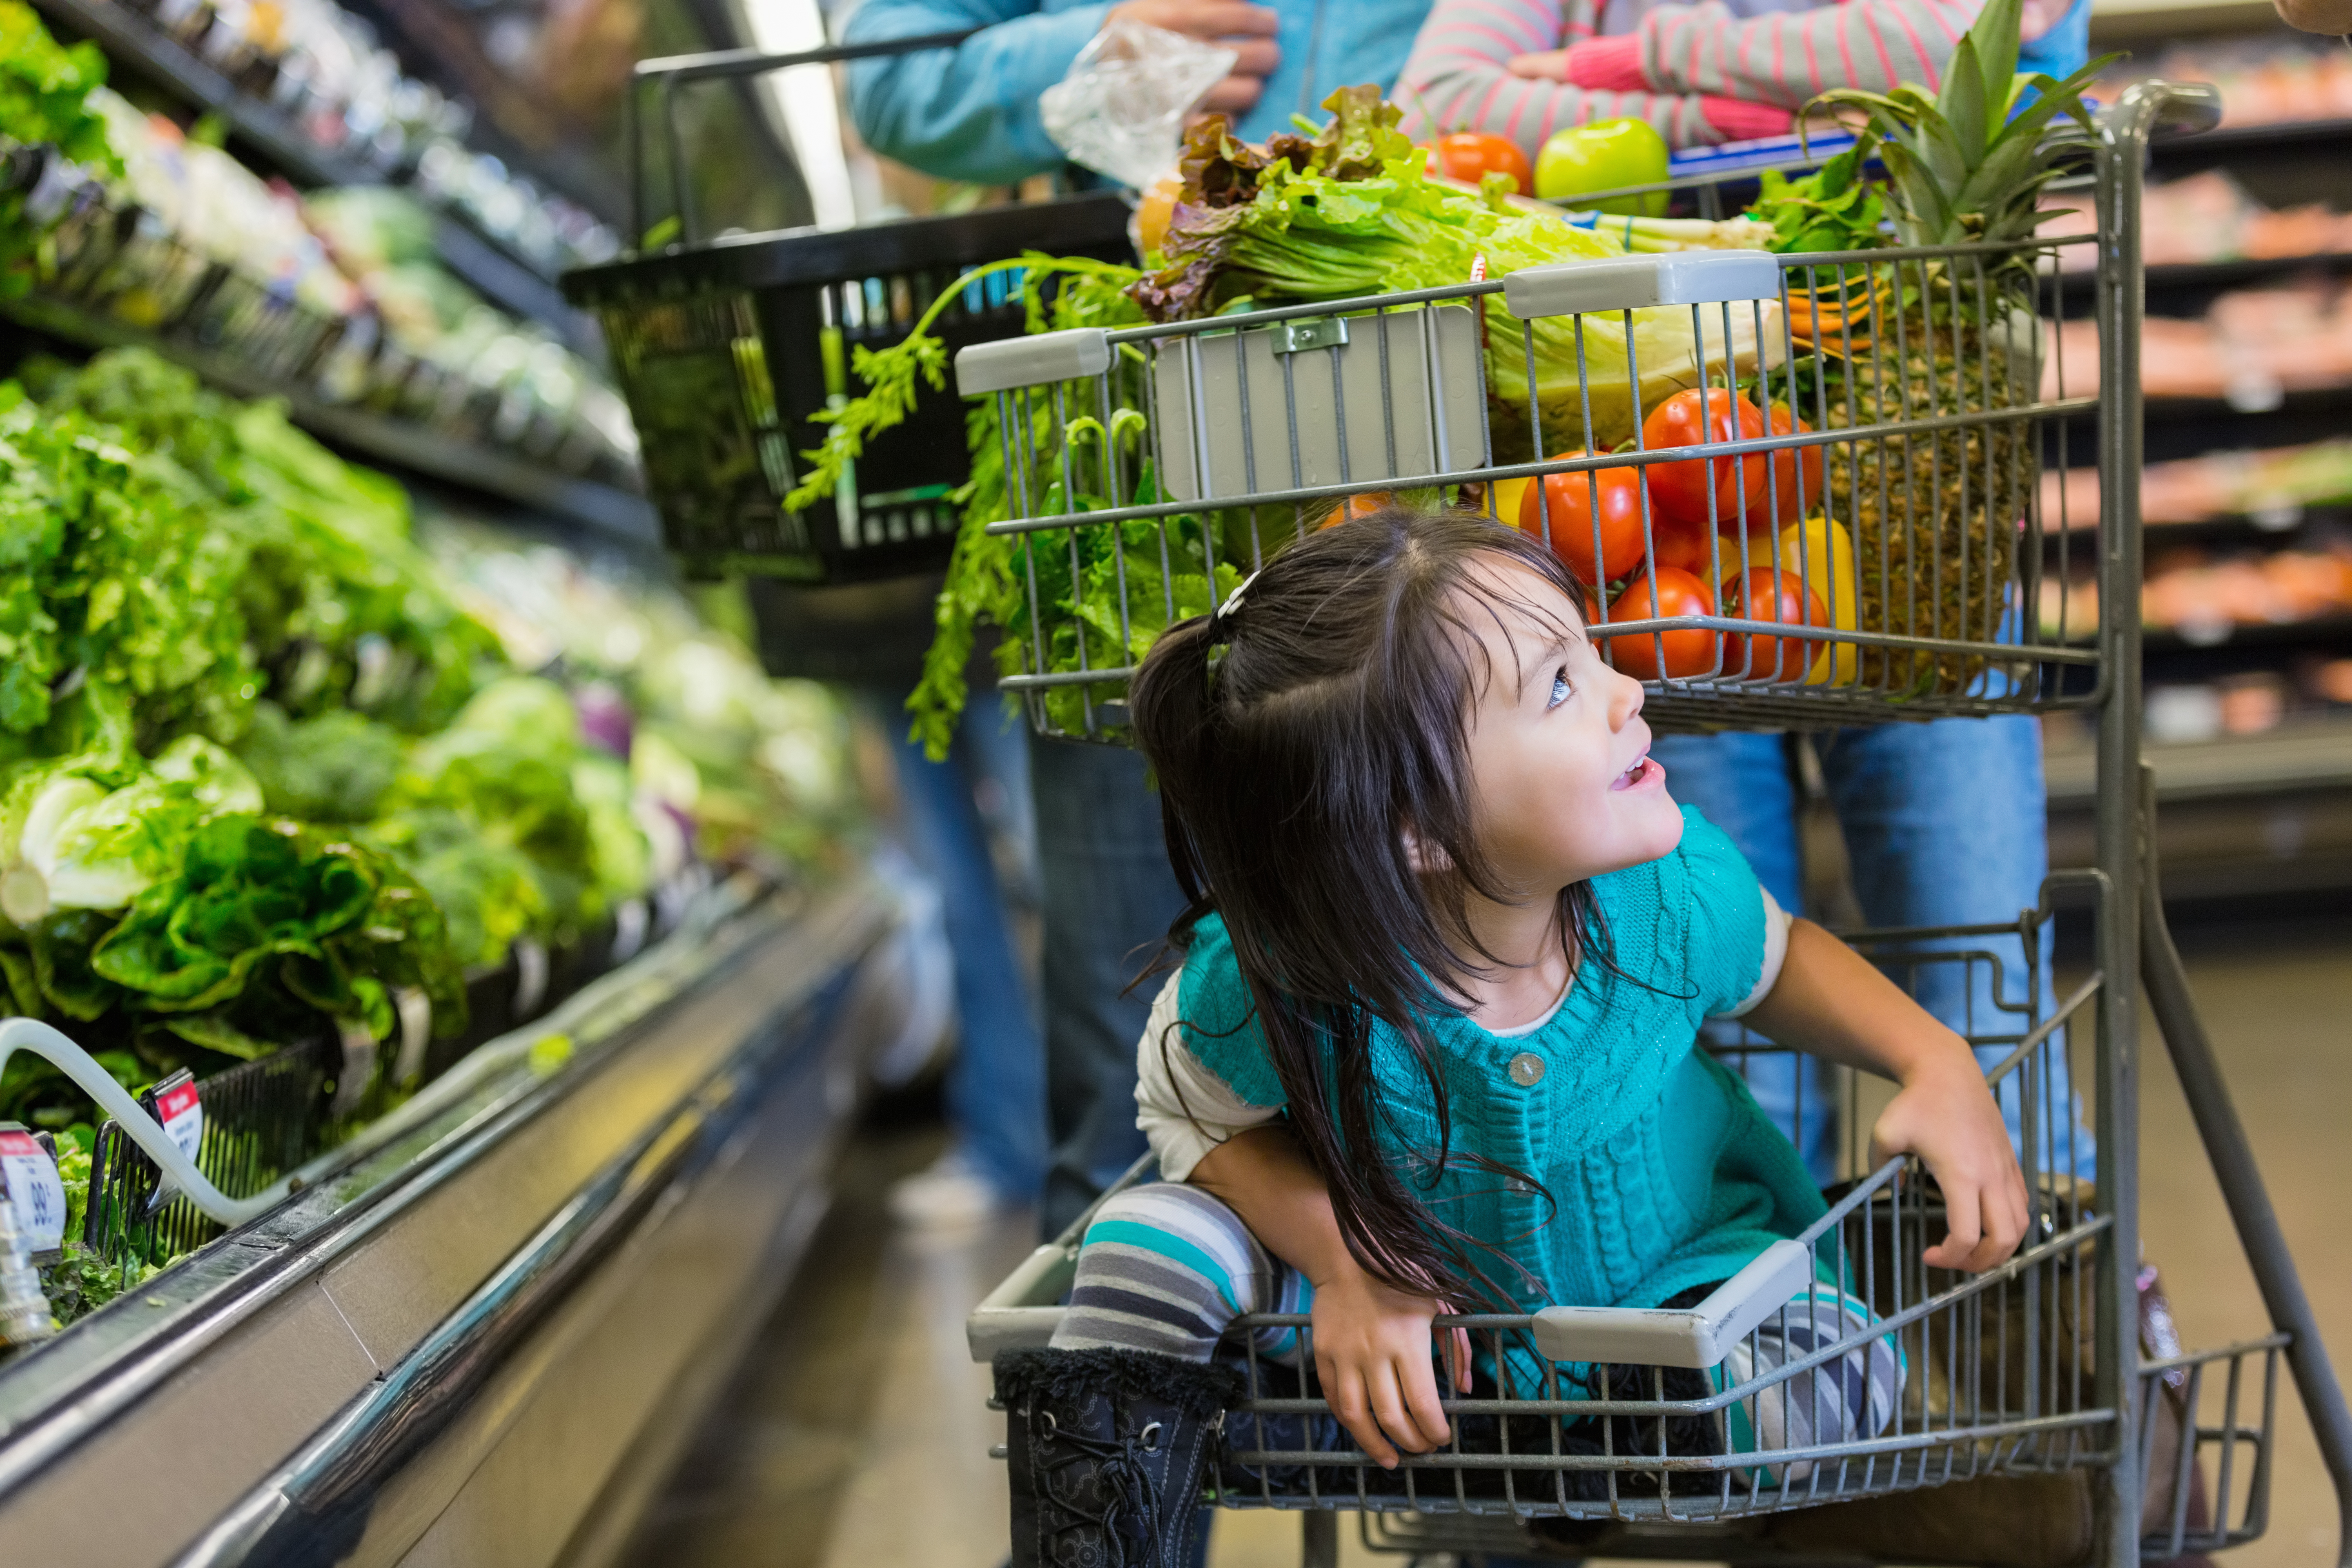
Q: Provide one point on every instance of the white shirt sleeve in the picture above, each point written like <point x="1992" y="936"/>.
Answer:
<point x="1184" y="1110"/>
<point x="1776" y="952"/>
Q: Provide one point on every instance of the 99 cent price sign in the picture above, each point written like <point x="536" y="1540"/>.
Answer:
<point x="28" y="1176"/>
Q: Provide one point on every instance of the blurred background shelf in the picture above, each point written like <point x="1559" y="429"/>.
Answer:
<point x="401" y="443"/>
<point x="262" y="132"/>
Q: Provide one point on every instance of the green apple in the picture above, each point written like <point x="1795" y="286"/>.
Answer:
<point x="1605" y="156"/>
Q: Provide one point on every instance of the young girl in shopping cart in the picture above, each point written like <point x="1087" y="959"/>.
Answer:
<point x="1432" y="1046"/>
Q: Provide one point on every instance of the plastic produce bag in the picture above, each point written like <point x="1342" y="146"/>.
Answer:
<point x="1120" y="110"/>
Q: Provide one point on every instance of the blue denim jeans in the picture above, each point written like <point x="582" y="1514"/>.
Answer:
<point x="1108" y="899"/>
<point x="996" y="1088"/>
<point x="1945" y="825"/>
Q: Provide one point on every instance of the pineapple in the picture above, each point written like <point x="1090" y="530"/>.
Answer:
<point x="1933" y="513"/>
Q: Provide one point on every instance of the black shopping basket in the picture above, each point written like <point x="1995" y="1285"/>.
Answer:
<point x="727" y="348"/>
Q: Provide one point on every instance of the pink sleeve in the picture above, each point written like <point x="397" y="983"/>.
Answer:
<point x="1457" y="79"/>
<point x="1789" y="58"/>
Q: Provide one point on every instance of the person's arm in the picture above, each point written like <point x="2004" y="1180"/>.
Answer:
<point x="971" y="112"/>
<point x="1782" y="58"/>
<point x="2318" y="15"/>
<point x="1831" y="1002"/>
<point x="1372" y="1346"/>
<point x="1459" y="78"/>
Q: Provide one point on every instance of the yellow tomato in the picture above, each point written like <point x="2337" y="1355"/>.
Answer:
<point x="1508" y="493"/>
<point x="1822" y="550"/>
<point x="1151" y="213"/>
<point x="1826" y="549"/>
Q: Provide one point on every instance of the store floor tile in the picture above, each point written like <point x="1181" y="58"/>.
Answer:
<point x="855" y="1437"/>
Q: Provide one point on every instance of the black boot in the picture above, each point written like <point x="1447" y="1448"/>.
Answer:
<point x="1109" y="1451"/>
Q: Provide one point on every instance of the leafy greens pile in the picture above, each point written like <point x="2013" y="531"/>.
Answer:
<point x="252" y="780"/>
<point x="1353" y="211"/>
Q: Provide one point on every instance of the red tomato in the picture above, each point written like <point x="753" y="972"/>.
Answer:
<point x="1795" y="474"/>
<point x="1669" y="591"/>
<point x="1765" y="594"/>
<point x="1571" y="499"/>
<point x="1469" y="155"/>
<point x="1688" y="419"/>
<point x="1689" y="546"/>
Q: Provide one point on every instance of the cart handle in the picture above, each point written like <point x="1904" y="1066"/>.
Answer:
<point x="2156" y="108"/>
<point x="1073" y="354"/>
<point x="671" y="70"/>
<point x="1637" y="282"/>
<point x="1699" y="1337"/>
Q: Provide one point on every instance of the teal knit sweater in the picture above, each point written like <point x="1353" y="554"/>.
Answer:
<point x="1665" y="1173"/>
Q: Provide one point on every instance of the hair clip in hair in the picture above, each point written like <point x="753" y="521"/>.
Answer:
<point x="1221" y="619"/>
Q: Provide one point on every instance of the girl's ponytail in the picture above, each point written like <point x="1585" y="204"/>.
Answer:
<point x="1174" y="715"/>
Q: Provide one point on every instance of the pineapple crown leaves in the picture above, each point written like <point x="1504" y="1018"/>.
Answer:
<point x="1967" y="163"/>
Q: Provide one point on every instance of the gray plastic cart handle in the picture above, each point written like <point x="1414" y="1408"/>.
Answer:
<point x="1023" y="1312"/>
<point x="1700" y="1337"/>
<point x="1634" y="282"/>
<point x="1071" y="354"/>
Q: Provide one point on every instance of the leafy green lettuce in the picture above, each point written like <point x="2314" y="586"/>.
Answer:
<point x="338" y="606"/>
<point x="72" y="838"/>
<point x="1353" y="212"/>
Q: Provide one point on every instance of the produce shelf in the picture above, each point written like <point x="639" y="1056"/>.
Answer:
<point x="532" y="1270"/>
<point x="2186" y="277"/>
<point x="2312" y="755"/>
<point x="2295" y="135"/>
<point x="399" y="442"/>
<point x="504" y="276"/>
<point x="2281" y="634"/>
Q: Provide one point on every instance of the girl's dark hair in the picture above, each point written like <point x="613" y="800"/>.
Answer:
<point x="1294" y="741"/>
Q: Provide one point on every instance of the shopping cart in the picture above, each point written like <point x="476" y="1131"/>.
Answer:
<point x="729" y="349"/>
<point x="2046" y="1413"/>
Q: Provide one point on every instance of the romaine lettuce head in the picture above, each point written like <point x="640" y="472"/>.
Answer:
<point x="488" y="893"/>
<point x="527" y="713"/>
<point x="624" y="859"/>
<point x="68" y="842"/>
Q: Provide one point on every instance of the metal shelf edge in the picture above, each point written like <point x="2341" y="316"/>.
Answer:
<point x="2317" y="756"/>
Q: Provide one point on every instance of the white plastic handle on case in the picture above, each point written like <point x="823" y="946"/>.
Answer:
<point x="1009" y="363"/>
<point x="1700" y="1336"/>
<point x="1633" y="282"/>
<point x="44" y="1041"/>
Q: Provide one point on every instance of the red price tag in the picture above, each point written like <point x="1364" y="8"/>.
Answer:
<point x="30" y="1178"/>
<point x="183" y="1116"/>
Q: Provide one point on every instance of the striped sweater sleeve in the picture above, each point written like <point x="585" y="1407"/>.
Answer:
<point x="1790" y="57"/>
<point x="1458" y="78"/>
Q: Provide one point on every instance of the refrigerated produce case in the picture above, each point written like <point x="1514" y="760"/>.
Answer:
<point x="514" y="1258"/>
<point x="477" y="1331"/>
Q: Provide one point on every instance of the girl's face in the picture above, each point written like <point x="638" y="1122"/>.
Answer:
<point x="1560" y="753"/>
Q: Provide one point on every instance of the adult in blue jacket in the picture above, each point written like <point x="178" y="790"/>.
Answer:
<point x="971" y="112"/>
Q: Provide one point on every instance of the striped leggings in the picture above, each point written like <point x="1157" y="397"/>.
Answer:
<point x="1165" y="1267"/>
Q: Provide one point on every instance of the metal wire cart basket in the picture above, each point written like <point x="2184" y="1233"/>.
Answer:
<point x="727" y="348"/>
<point x="1902" y="498"/>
